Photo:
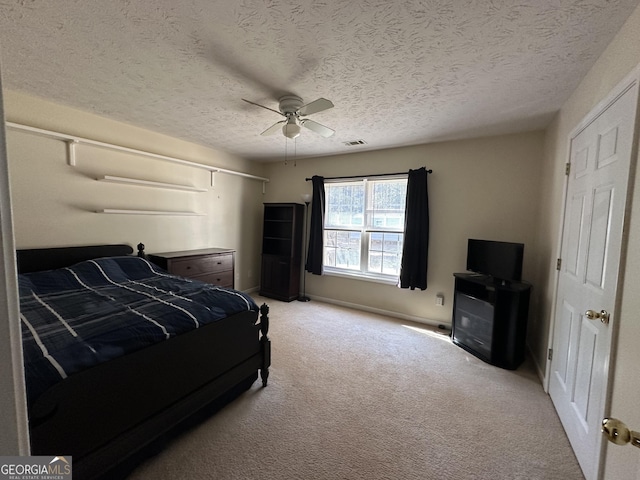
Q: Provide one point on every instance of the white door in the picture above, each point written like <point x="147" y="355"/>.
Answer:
<point x="600" y="157"/>
<point x="623" y="461"/>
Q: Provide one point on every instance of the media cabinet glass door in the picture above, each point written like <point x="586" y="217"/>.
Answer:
<point x="474" y="324"/>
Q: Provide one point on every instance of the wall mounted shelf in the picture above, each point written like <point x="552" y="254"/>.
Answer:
<point x="148" y="212"/>
<point x="72" y="141"/>
<point x="149" y="183"/>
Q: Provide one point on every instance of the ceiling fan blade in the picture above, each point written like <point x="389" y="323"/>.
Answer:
<point x="273" y="128"/>
<point x="316" y="127"/>
<point x="258" y="105"/>
<point x="314" y="107"/>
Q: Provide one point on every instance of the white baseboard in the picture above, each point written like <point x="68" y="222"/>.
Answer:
<point x="379" y="311"/>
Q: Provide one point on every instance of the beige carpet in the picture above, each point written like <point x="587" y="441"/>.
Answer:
<point x="354" y="395"/>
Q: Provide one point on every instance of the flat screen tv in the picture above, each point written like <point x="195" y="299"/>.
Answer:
<point x="500" y="260"/>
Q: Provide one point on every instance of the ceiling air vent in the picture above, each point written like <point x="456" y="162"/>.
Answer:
<point x="353" y="143"/>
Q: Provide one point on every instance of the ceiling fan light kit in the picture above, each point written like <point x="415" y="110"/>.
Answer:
<point x="292" y="108"/>
<point x="291" y="129"/>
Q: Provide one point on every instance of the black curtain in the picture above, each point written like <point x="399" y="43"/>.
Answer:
<point x="415" y="252"/>
<point x="316" y="237"/>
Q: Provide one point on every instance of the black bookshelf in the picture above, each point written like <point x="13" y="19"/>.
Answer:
<point x="281" y="250"/>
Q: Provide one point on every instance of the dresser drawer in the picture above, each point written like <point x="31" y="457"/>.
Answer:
<point x="220" y="279"/>
<point x="192" y="266"/>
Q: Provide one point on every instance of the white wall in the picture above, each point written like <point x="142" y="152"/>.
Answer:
<point x="622" y="55"/>
<point x="14" y="435"/>
<point x="482" y="188"/>
<point x="618" y="60"/>
<point x="55" y="204"/>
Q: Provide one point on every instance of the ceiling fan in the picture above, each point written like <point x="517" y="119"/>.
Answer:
<point x="292" y="108"/>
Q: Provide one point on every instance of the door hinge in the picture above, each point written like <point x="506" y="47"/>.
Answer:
<point x="567" y="168"/>
<point x="550" y="355"/>
<point x="558" y="264"/>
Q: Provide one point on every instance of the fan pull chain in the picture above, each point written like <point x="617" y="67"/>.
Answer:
<point x="285" y="151"/>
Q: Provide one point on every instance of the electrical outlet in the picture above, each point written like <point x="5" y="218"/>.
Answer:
<point x="440" y="300"/>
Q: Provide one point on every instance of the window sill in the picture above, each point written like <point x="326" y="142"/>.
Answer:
<point x="384" y="279"/>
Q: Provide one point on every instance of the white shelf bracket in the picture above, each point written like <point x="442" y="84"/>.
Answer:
<point x="213" y="178"/>
<point x="71" y="152"/>
<point x="264" y="187"/>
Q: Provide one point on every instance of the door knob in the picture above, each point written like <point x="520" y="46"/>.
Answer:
<point x="618" y="433"/>
<point x="603" y="315"/>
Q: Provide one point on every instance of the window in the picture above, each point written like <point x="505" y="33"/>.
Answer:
<point x="364" y="227"/>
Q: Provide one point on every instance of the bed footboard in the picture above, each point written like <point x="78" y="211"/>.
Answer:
<point x="265" y="343"/>
<point x="106" y="413"/>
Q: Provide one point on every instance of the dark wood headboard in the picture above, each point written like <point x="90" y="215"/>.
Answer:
<point x="36" y="259"/>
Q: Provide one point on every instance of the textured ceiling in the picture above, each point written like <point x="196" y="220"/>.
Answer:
<point x="398" y="72"/>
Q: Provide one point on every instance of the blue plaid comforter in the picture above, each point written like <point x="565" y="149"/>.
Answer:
<point x="94" y="311"/>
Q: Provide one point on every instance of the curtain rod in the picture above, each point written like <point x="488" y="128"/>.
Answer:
<point x="367" y="176"/>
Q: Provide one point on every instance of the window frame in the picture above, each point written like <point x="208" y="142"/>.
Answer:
<point x="365" y="232"/>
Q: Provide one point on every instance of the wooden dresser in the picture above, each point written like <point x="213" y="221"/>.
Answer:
<point x="211" y="265"/>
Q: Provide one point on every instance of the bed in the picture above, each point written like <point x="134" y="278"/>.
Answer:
<point x="100" y="394"/>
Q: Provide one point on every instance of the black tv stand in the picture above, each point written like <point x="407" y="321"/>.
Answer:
<point x="490" y="318"/>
